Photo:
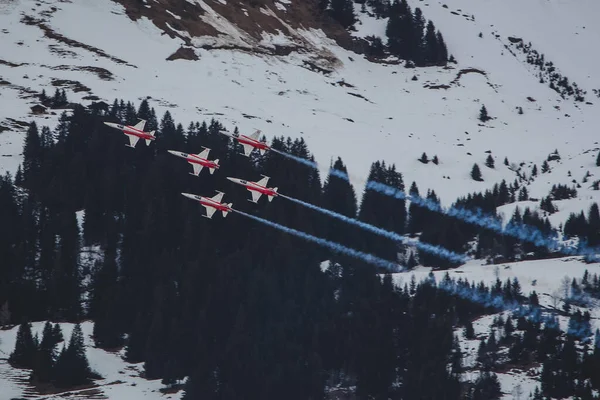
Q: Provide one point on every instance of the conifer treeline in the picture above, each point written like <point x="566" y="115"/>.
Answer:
<point x="241" y="307"/>
<point x="409" y="36"/>
<point x="66" y="369"/>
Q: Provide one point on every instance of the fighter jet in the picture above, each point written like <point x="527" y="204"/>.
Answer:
<point x="134" y="133"/>
<point x="212" y="204"/>
<point x="198" y="160"/>
<point x="257" y="188"/>
<point x="248" y="142"/>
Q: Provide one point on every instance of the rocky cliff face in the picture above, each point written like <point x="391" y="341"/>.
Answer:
<point x="275" y="27"/>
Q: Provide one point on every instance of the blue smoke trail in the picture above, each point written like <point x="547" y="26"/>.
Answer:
<point x="437" y="250"/>
<point x="477" y="217"/>
<point x="380" y="262"/>
<point x="531" y="312"/>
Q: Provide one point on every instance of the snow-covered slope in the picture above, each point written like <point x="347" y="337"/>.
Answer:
<point x="546" y="277"/>
<point x="356" y="109"/>
<point x="121" y="380"/>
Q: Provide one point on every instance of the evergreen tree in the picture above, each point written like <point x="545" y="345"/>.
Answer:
<point x="56" y="99"/>
<point x="546" y="205"/>
<point x="43" y="97"/>
<point x="442" y="58"/>
<point x="343" y="12"/>
<point x="419" y="30"/>
<point x="24" y="354"/>
<point x="487" y="387"/>
<point x="339" y="196"/>
<point x="469" y="330"/>
<point x="523" y="194"/>
<point x="62" y="99"/>
<point x="483" y="114"/>
<point x="104" y="307"/>
<point x="414" y="212"/>
<point x="476" y="173"/>
<point x="489" y="162"/>
<point x="32" y="151"/>
<point x="400" y="31"/>
<point x="593" y="226"/>
<point x="72" y="366"/>
<point x="383" y="211"/>
<point x="431" y="44"/>
<point x="45" y="357"/>
<point x="545" y="167"/>
<point x="598" y="160"/>
<point x="65" y="291"/>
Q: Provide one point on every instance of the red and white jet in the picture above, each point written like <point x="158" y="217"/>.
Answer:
<point x="134" y="133"/>
<point x="248" y="142"/>
<point x="198" y="160"/>
<point x="212" y="204"/>
<point x="257" y="188"/>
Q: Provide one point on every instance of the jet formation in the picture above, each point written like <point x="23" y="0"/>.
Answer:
<point x="200" y="160"/>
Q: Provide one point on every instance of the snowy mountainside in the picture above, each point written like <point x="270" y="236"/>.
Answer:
<point x="345" y="106"/>
<point x="293" y="78"/>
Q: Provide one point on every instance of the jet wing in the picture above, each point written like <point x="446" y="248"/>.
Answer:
<point x="255" y="134"/>
<point x="197" y="168"/>
<point x="255" y="195"/>
<point x="210" y="211"/>
<point x="218" y="197"/>
<point x="263" y="181"/>
<point x="247" y="149"/>
<point x="203" y="153"/>
<point x="133" y="140"/>
<point x="140" y="125"/>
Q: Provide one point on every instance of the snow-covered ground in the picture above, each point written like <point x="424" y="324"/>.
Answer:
<point x="121" y="380"/>
<point x="396" y="119"/>
<point x="546" y="277"/>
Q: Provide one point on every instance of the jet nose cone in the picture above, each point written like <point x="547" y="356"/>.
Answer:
<point x="232" y="179"/>
<point x="189" y="196"/>
<point x="175" y="153"/>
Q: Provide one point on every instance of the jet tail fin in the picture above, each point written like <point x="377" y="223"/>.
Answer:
<point x="212" y="170"/>
<point x="227" y="212"/>
<point x="271" y="197"/>
<point x="148" y="141"/>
